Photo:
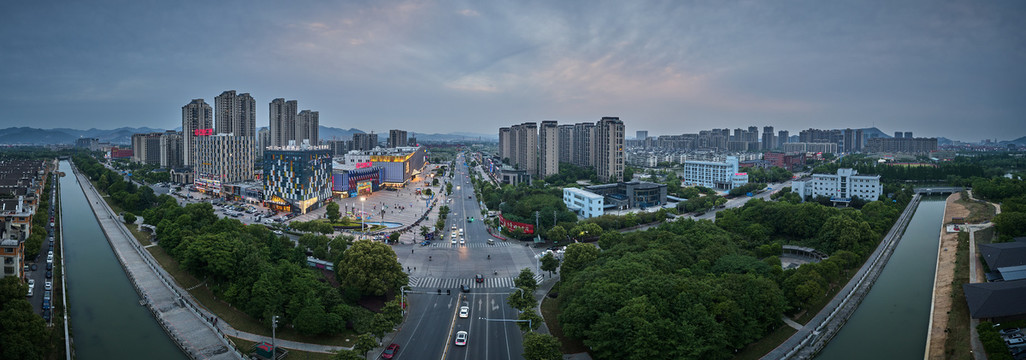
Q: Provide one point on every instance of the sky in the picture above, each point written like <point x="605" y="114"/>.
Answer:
<point x="937" y="68"/>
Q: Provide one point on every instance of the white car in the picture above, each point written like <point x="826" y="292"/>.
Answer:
<point x="48" y="285"/>
<point x="461" y="338"/>
<point x="464" y="312"/>
<point x="31" y="283"/>
<point x="462" y="241"/>
<point x="453" y="240"/>
<point x="49" y="258"/>
<point x="453" y="227"/>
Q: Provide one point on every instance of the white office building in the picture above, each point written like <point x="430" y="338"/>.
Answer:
<point x="585" y="203"/>
<point x="842" y="187"/>
<point x="715" y="175"/>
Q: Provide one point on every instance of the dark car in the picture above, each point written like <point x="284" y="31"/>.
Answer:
<point x="46" y="315"/>
<point x="46" y="304"/>
<point x="33" y="267"/>
<point x="479" y="278"/>
<point x="49" y="274"/>
<point x="49" y="266"/>
<point x="464" y="288"/>
<point x="390" y="351"/>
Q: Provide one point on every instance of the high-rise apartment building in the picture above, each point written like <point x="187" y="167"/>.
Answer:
<point x="282" y="116"/>
<point x="908" y="135"/>
<point x="548" y="146"/>
<point x="566" y="143"/>
<point x="769" y="141"/>
<point x="146" y="148"/>
<point x="505" y="141"/>
<point x="197" y="120"/>
<point x="397" y="138"/>
<point x="641" y="135"/>
<point x="364" y="141"/>
<point x="584" y="144"/>
<point x="527" y="147"/>
<point x="307" y="127"/>
<point x="263" y="140"/>
<point x="783" y="137"/>
<point x="898" y="135"/>
<point x="235" y="114"/>
<point x="171" y="145"/>
<point x="222" y="159"/>
<point x="609" y="143"/>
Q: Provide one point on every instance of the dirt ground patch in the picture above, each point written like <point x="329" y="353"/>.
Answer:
<point x="944" y="277"/>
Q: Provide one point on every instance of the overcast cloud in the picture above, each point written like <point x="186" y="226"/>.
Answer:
<point x="938" y="68"/>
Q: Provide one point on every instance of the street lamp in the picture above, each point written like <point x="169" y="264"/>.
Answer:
<point x="363" y="216"/>
<point x="402" y="304"/>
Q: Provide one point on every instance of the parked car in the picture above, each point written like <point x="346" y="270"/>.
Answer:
<point x="49" y="274"/>
<point x="390" y="351"/>
<point x="461" y="338"/>
<point x="48" y="285"/>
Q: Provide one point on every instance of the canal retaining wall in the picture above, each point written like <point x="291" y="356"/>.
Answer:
<point x="187" y="325"/>
<point x="814" y="336"/>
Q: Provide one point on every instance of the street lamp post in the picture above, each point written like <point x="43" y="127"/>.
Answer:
<point x="402" y="305"/>
<point x="363" y="217"/>
<point x="274" y="325"/>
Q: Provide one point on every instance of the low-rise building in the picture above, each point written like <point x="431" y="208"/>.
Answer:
<point x="585" y="203"/>
<point x="841" y="187"/>
<point x="355" y="180"/>
<point x="786" y="161"/>
<point x="715" y="175"/>
<point x="631" y="194"/>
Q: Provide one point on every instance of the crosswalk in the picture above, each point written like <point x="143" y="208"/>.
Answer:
<point x="489" y="282"/>
<point x="471" y="245"/>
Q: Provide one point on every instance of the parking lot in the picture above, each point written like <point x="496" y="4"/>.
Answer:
<point x="1015" y="340"/>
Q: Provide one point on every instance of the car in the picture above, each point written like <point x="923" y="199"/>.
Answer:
<point x="464" y="312"/>
<point x="46" y="296"/>
<point x="464" y="288"/>
<point x="479" y="278"/>
<point x="25" y="268"/>
<point x="48" y="285"/>
<point x="49" y="266"/>
<point x="33" y="267"/>
<point x="1015" y="341"/>
<point x="453" y="227"/>
<point x="390" y="351"/>
<point x="46" y="315"/>
<point x="462" y="241"/>
<point x="49" y="274"/>
<point x="278" y="232"/>
<point x="46" y="304"/>
<point x="461" y="338"/>
<point x="30" y="292"/>
<point x="31" y="283"/>
<point x="49" y="259"/>
<point x="425" y="243"/>
<point x="1009" y="331"/>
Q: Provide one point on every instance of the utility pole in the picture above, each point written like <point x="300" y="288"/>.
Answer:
<point x="274" y="325"/>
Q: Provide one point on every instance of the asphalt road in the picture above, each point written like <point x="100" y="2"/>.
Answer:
<point x="431" y="325"/>
<point x="39" y="275"/>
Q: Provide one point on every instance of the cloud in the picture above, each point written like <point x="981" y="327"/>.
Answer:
<point x="468" y="12"/>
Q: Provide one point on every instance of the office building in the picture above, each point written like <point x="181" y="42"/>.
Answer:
<point x="803" y="147"/>
<point x="282" y="117"/>
<point x="791" y="162"/>
<point x="902" y="145"/>
<point x="307" y="127"/>
<point x="396" y="138"/>
<point x="548" y="146"/>
<point x="609" y="142"/>
<point x="222" y="159"/>
<point x="585" y="203"/>
<point x="584" y="144"/>
<point x="197" y="120"/>
<point x="297" y="189"/>
<point x="400" y="165"/>
<point x="566" y="143"/>
<point x="840" y="187"/>
<point x="235" y="114"/>
<point x="171" y="145"/>
<point x="364" y="141"/>
<point x="714" y="175"/>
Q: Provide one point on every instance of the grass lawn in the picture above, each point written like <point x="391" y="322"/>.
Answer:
<point x="957" y="346"/>
<point x="235" y="317"/>
<point x="985" y="236"/>
<point x="769" y="342"/>
<point x="142" y="236"/>
<point x="246" y="347"/>
<point x="979" y="211"/>
<point x="550" y="311"/>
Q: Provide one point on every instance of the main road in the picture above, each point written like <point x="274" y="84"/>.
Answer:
<point x="438" y="271"/>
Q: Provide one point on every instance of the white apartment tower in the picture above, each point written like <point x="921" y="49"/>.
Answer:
<point x="548" y="146"/>
<point x="196" y="115"/>
<point x="282" y="116"/>
<point x="504" y="143"/>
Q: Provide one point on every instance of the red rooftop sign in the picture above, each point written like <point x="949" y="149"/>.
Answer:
<point x="364" y="165"/>
<point x="203" y="132"/>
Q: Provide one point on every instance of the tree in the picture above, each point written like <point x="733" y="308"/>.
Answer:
<point x="349" y="355"/>
<point x="539" y="346"/>
<point x="525" y="280"/>
<point x="393" y="236"/>
<point x="576" y="257"/>
<point x="424" y="230"/>
<point x="533" y="323"/>
<point x="311" y="320"/>
<point x="549" y="263"/>
<point x="129" y="218"/>
<point x="333" y="213"/>
<point x="371" y="268"/>
<point x="23" y="334"/>
<point x="556" y="234"/>
<point x="521" y="299"/>
<point x="364" y="343"/>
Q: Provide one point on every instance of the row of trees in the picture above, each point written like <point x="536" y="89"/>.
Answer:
<point x="23" y="333"/>
<point x="747" y="188"/>
<point x="123" y="193"/>
<point x="1011" y="193"/>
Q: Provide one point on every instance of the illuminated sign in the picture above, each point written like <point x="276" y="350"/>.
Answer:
<point x="364" y="165"/>
<point x="741" y="174"/>
<point x="203" y="132"/>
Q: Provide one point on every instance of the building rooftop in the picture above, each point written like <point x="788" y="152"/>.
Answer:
<point x="583" y="193"/>
<point x="1010" y="273"/>
<point x="995" y="299"/>
<point x="1001" y="255"/>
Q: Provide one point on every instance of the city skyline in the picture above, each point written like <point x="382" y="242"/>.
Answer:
<point x="460" y="66"/>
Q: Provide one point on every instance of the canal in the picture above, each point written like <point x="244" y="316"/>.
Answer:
<point x="107" y="321"/>
<point x="892" y="321"/>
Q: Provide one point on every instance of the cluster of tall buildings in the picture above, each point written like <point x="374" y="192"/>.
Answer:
<point x="809" y="140"/>
<point x="540" y="149"/>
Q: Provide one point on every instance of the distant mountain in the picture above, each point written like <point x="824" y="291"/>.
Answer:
<point x="33" y="136"/>
<point x="329" y="133"/>
<point x="873" y="132"/>
<point x="1020" y="141"/>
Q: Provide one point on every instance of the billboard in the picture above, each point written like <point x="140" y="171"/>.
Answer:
<point x="364" y="187"/>
<point x="526" y="228"/>
<point x="364" y="165"/>
<point x="203" y="132"/>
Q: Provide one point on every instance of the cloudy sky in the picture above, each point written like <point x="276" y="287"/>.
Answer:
<point x="938" y="68"/>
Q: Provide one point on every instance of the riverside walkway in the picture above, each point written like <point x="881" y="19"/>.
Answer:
<point x="200" y="333"/>
<point x="812" y="337"/>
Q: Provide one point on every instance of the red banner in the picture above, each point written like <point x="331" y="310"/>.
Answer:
<point x="526" y="228"/>
<point x="364" y="165"/>
<point x="203" y="132"/>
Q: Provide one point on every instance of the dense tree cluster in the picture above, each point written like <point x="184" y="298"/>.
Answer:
<point x="23" y="334"/>
<point x="1011" y="193"/>
<point x="700" y="203"/>
<point x="747" y="188"/>
<point x="124" y="194"/>
<point x="961" y="168"/>
<point x="570" y="173"/>
<point x="774" y="174"/>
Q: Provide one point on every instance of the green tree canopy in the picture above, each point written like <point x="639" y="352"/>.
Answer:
<point x="541" y="347"/>
<point x="371" y="268"/>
